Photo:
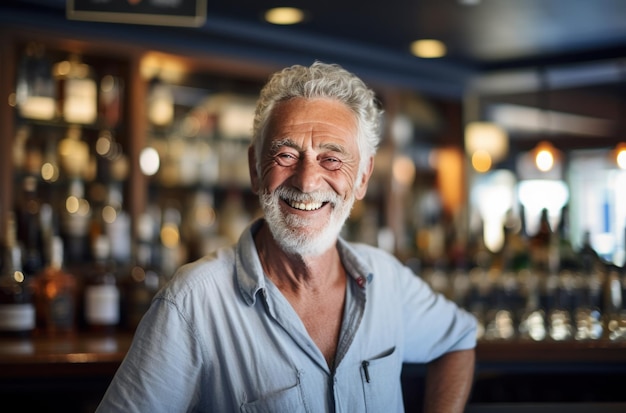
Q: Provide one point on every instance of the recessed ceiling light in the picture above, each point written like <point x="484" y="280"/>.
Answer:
<point x="428" y="48"/>
<point x="284" y="15"/>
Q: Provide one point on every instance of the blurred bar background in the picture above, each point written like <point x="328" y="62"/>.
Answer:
<point x="500" y="179"/>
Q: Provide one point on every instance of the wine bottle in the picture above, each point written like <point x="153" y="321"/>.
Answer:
<point x="56" y="293"/>
<point x="143" y="279"/>
<point x="540" y="244"/>
<point x="101" y="291"/>
<point x="17" y="309"/>
<point x="28" y="229"/>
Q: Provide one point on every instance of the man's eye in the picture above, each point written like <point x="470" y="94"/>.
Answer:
<point x="331" y="164"/>
<point x="286" y="159"/>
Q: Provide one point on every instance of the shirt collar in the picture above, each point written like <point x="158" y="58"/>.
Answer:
<point x="250" y="275"/>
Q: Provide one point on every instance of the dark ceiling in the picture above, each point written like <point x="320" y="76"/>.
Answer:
<point x="372" y="38"/>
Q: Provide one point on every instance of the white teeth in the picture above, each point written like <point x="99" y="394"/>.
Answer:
<point x="306" y="207"/>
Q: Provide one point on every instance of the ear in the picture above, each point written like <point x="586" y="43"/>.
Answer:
<point x="254" y="176"/>
<point x="361" y="188"/>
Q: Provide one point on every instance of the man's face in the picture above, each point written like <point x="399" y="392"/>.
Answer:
<point x="308" y="173"/>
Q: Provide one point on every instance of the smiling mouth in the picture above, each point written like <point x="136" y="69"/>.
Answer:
<point x="304" y="206"/>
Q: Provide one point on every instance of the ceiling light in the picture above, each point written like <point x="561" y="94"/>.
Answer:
<point x="488" y="137"/>
<point x="284" y="15"/>
<point x="545" y="156"/>
<point x="619" y="154"/>
<point x="428" y="48"/>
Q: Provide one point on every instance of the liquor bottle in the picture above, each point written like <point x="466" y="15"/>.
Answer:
<point x="75" y="219"/>
<point x="110" y="98"/>
<point x="17" y="310"/>
<point x="515" y="248"/>
<point x="73" y="153"/>
<point x="560" y="323"/>
<point x="56" y="293"/>
<point x="589" y="310"/>
<point x="78" y="91"/>
<point x="35" y="87"/>
<point x="540" y="243"/>
<point x="615" y="303"/>
<point x="101" y="291"/>
<point x="143" y="279"/>
<point x="502" y="314"/>
<point x="28" y="227"/>
<point x="532" y="323"/>
<point x="590" y="259"/>
<point x="568" y="259"/>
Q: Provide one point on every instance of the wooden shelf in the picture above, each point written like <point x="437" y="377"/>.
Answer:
<point x="551" y="351"/>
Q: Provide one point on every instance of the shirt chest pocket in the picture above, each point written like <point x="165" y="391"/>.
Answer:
<point x="285" y="400"/>
<point x="381" y="382"/>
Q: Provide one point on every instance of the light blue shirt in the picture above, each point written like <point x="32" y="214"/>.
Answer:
<point x="220" y="337"/>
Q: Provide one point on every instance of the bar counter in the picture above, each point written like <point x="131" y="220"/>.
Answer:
<point x="84" y="353"/>
<point x="75" y="371"/>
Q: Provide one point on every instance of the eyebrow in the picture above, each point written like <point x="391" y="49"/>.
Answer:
<point x="276" y="145"/>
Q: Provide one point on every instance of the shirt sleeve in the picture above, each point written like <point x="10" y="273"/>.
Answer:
<point x="433" y="325"/>
<point x="161" y="370"/>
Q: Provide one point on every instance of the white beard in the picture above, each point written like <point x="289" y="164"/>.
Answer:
<point x="295" y="234"/>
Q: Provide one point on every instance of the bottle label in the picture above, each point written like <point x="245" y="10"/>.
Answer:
<point x="17" y="317"/>
<point x="102" y="305"/>
<point x="62" y="311"/>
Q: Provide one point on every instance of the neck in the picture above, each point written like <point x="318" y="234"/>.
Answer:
<point x="294" y="273"/>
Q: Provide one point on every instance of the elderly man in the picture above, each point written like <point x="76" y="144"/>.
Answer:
<point x="293" y="318"/>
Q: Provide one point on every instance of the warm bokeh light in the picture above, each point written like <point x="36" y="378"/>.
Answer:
<point x="109" y="214"/>
<point x="544" y="160"/>
<point x="49" y="172"/>
<point x="72" y="204"/>
<point x="103" y="144"/>
<point x="481" y="161"/>
<point x="428" y="48"/>
<point x="73" y="153"/>
<point x="149" y="161"/>
<point x="489" y="137"/>
<point x="38" y="107"/>
<point x="170" y="237"/>
<point x="161" y="104"/>
<point x="403" y="170"/>
<point x="450" y="178"/>
<point x="620" y="155"/>
<point x="168" y="68"/>
<point x="545" y="155"/>
<point x="284" y="15"/>
<point x="19" y="276"/>
<point x="205" y="217"/>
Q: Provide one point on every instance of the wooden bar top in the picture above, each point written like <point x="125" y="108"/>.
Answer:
<point x="75" y="355"/>
<point x="101" y="355"/>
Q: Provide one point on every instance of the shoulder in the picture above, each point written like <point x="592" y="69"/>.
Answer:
<point x="209" y="273"/>
<point x="373" y="257"/>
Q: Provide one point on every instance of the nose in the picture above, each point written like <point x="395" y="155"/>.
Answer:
<point x="308" y="174"/>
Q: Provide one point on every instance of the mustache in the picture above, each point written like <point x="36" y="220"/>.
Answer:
<point x="292" y="194"/>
